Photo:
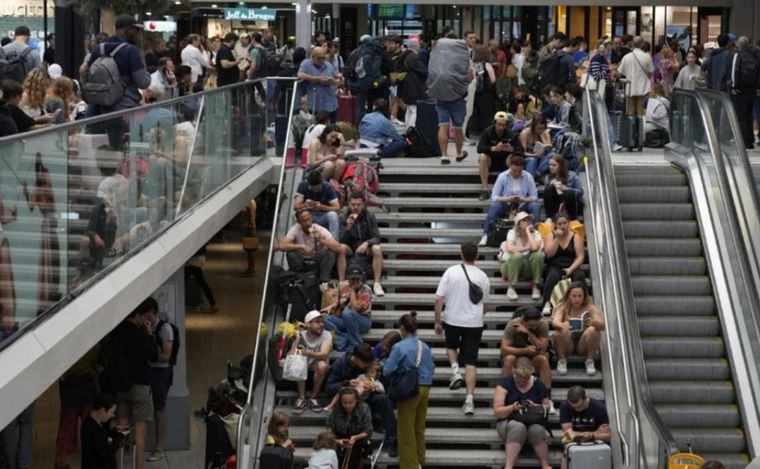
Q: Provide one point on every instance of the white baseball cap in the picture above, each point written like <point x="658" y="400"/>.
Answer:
<point x="55" y="71"/>
<point x="312" y="315"/>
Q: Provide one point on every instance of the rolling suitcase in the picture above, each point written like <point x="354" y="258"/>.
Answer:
<point x="588" y="456"/>
<point x="347" y="109"/>
<point x="629" y="129"/>
<point x="427" y="124"/>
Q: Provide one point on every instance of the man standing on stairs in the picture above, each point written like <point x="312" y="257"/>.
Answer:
<point x="462" y="320"/>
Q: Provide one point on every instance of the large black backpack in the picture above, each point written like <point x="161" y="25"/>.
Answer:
<point x="15" y="68"/>
<point x="748" y="72"/>
<point x="548" y="71"/>
<point x="175" y="342"/>
<point x="112" y="358"/>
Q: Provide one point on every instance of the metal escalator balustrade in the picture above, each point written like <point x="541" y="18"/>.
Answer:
<point x="638" y="432"/>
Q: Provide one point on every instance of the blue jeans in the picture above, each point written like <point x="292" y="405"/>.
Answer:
<point x="393" y="149"/>
<point x="327" y="219"/>
<point x="17" y="440"/>
<point x="537" y="167"/>
<point x="452" y="111"/>
<point x="348" y="328"/>
<point x="499" y="209"/>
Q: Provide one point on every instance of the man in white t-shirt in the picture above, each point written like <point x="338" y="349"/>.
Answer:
<point x="308" y="246"/>
<point x="462" y="320"/>
<point x="315" y="343"/>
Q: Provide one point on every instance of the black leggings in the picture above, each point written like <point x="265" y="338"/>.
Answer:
<point x="552" y="201"/>
<point x="197" y="273"/>
<point x="553" y="274"/>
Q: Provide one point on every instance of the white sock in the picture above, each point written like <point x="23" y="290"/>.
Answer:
<point x="454" y="368"/>
<point x="469" y="398"/>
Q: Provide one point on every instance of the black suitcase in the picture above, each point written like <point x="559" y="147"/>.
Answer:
<point x="427" y="124"/>
<point x="631" y="133"/>
<point x="304" y="295"/>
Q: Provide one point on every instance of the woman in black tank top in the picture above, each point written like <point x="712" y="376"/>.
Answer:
<point x="564" y="257"/>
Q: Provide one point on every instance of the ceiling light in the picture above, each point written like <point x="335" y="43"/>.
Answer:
<point x="148" y="13"/>
<point x="213" y="5"/>
<point x="178" y="2"/>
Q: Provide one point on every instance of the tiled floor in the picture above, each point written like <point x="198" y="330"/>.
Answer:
<point x="211" y="341"/>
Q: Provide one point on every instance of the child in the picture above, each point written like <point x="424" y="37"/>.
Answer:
<point x="383" y="348"/>
<point x="324" y="456"/>
<point x="365" y="384"/>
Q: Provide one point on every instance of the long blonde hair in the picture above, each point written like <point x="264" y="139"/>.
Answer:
<point x="35" y="88"/>
<point x="62" y="88"/>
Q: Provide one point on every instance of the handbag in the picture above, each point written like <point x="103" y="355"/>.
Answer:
<point x="476" y="293"/>
<point x="404" y="383"/>
<point x="296" y="366"/>
<point x="531" y="415"/>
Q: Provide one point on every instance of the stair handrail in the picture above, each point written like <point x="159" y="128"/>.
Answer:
<point x="644" y="438"/>
<point x="728" y="220"/>
<point x="251" y="430"/>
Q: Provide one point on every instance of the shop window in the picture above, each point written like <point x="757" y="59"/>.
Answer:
<point x="678" y="23"/>
<point x="647" y="23"/>
<point x="659" y="22"/>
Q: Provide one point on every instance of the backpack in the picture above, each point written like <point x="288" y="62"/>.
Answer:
<point x="272" y="61"/>
<point x="367" y="71"/>
<point x="260" y="60"/>
<point x="420" y="147"/>
<point x="748" y="73"/>
<point x="175" y="342"/>
<point x="548" y="71"/>
<point x="362" y="178"/>
<point x="530" y="70"/>
<point x="103" y="83"/>
<point x="15" y="68"/>
<point x="112" y="359"/>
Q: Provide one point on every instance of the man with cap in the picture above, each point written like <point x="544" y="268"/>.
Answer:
<point x="496" y="144"/>
<point x="131" y="68"/>
<point x="314" y="343"/>
<point x="527" y="335"/>
<point x="20" y="47"/>
<point x="352" y="316"/>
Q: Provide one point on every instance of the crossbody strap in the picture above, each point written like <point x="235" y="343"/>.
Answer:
<point x="419" y="352"/>
<point x="465" y="274"/>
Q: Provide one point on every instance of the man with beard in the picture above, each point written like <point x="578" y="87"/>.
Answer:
<point x="315" y="344"/>
<point x="131" y="68"/>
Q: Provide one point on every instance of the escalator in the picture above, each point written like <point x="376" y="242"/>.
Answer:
<point x="687" y="367"/>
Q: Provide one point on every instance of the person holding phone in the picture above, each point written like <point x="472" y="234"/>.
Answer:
<point x="99" y="442"/>
<point x="351" y="422"/>
<point x="527" y="335"/>
<point x="496" y="144"/>
<point x="585" y="338"/>
<point x="564" y="257"/>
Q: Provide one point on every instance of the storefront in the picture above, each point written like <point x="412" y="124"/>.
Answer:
<point x="30" y="13"/>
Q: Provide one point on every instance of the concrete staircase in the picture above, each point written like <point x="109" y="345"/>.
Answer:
<point x="421" y="233"/>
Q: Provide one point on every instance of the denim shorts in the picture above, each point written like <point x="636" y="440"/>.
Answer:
<point x="452" y="112"/>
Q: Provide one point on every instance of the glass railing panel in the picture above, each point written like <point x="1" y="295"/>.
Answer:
<point x="81" y="197"/>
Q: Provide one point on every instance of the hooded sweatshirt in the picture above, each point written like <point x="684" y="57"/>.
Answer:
<point x="718" y="69"/>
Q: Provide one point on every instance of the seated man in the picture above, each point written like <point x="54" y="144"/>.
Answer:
<point x="496" y="144"/>
<point x="583" y="419"/>
<point x="360" y="240"/>
<point x="527" y="336"/>
<point x="315" y="343"/>
<point x="377" y="131"/>
<point x="320" y="199"/>
<point x="310" y="247"/>
<point x="352" y="314"/>
<point x="348" y="368"/>
<point x="514" y="191"/>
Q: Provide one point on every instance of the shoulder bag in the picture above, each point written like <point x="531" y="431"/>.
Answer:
<point x="531" y="415"/>
<point x="296" y="367"/>
<point x="404" y="383"/>
<point x="476" y="293"/>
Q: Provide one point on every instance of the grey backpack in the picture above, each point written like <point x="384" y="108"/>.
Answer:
<point x="103" y="84"/>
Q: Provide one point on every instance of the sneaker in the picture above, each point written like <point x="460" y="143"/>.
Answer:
<point x="392" y="449"/>
<point x="314" y="406"/>
<point x="461" y="157"/>
<point x="468" y="408"/>
<point x="484" y="195"/>
<point x="590" y="368"/>
<point x="552" y="410"/>
<point x="547" y="311"/>
<point x="378" y="289"/>
<point x="445" y="161"/>
<point x="483" y="241"/>
<point x="456" y="381"/>
<point x="512" y="294"/>
<point x="300" y="406"/>
<point x="536" y="294"/>
<point x="562" y="366"/>
<point x="156" y="455"/>
<point x="323" y="286"/>
<point x="617" y="147"/>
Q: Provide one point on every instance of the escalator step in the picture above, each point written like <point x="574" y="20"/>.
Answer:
<point x="683" y="347"/>
<point x="671" y="285"/>
<point x="657" y="211"/>
<point x="658" y="229"/>
<point x="697" y="369"/>
<point x="648" y="194"/>
<point x="724" y="416"/>
<point x="661" y="325"/>
<point x="690" y="391"/>
<point x="667" y="266"/>
<point x="663" y="247"/>
<point x="697" y="305"/>
<point x="658" y="177"/>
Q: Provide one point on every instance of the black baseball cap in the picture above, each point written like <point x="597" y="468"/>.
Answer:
<point x="127" y="21"/>
<point x="354" y="271"/>
<point x="531" y="312"/>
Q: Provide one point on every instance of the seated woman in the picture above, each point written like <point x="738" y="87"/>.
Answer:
<point x="578" y="326"/>
<point x="351" y="422"/>
<point x="564" y="257"/>
<point x="377" y="131"/>
<point x="537" y="143"/>
<point x="513" y="394"/>
<point x="658" y="107"/>
<point x="278" y="449"/>
<point x="11" y="94"/>
<point x="563" y="187"/>
<point x="521" y="255"/>
<point x="326" y="154"/>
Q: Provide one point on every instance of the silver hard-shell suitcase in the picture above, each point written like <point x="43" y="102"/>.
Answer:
<point x="588" y="456"/>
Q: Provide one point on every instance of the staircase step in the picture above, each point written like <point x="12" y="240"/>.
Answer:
<point x="658" y="325"/>
<point x="431" y="170"/>
<point x="683" y="347"/>
<point x="657" y="211"/>
<point x="654" y="194"/>
<point x="667" y="266"/>
<point x="697" y="305"/>
<point x="488" y="266"/>
<point x="657" y="229"/>
<point x="429" y="299"/>
<point x="389" y="318"/>
<point x="651" y="247"/>
<point x="492" y="337"/>
<point x="429" y="188"/>
<point x="436" y="202"/>
<point x="459" y="234"/>
<point x="697" y="369"/>
<point x="435" y="249"/>
<point x="724" y="416"/>
<point x="430" y="217"/>
<point x="671" y="285"/>
<point x="691" y="391"/>
<point x="402" y="281"/>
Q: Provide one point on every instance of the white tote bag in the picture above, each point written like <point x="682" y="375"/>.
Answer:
<point x="296" y="366"/>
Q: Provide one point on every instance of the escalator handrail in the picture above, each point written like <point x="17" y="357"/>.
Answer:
<point x="741" y="312"/>
<point x="641" y="406"/>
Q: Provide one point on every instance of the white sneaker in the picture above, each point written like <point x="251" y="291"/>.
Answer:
<point x="590" y="368"/>
<point x="562" y="366"/>
<point x="552" y="410"/>
<point x="456" y="381"/>
<point x="617" y="147"/>
<point x="483" y="240"/>
<point x="512" y="294"/>
<point x="378" y="289"/>
<point x="547" y="311"/>
<point x="323" y="286"/>
<point x="468" y="408"/>
<point x="536" y="294"/>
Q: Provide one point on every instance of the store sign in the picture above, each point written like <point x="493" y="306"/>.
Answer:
<point x="250" y="14"/>
<point x="25" y="8"/>
<point x="160" y="26"/>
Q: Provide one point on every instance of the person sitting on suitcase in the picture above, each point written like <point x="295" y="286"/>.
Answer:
<point x="319" y="197"/>
<point x="583" y="419"/>
<point x="377" y="131"/>
<point x="352" y="316"/>
<point x="496" y="144"/>
<point x="310" y="247"/>
<point x="515" y="190"/>
<point x="315" y="344"/>
<point x="360" y="241"/>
